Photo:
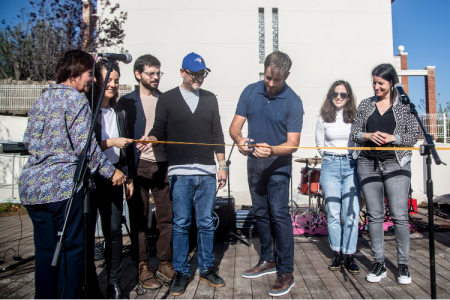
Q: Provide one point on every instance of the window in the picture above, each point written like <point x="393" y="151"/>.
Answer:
<point x="261" y="34"/>
<point x="275" y="28"/>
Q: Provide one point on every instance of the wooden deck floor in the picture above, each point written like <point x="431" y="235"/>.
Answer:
<point x="312" y="277"/>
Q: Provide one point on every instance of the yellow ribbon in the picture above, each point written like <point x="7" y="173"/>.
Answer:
<point x="291" y="147"/>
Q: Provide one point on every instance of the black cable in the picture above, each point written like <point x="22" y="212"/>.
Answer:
<point x="7" y="252"/>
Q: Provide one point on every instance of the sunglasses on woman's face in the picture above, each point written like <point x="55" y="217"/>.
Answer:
<point x="343" y="95"/>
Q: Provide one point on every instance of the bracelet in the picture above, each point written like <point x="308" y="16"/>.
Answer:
<point x="223" y="168"/>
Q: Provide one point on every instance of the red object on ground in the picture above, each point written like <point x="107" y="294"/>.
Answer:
<point x="413" y="202"/>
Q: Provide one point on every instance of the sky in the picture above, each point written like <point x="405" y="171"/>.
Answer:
<point x="421" y="26"/>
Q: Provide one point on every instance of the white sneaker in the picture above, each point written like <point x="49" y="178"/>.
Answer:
<point x="403" y="275"/>
<point x="378" y="272"/>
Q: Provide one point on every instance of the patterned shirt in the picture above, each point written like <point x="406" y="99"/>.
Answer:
<point x="57" y="129"/>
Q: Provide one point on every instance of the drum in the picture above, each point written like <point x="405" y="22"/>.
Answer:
<point x="315" y="179"/>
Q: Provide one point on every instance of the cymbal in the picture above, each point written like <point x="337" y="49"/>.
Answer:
<point x="314" y="160"/>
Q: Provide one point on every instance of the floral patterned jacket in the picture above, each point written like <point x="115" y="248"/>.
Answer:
<point x="57" y="129"/>
<point x="406" y="129"/>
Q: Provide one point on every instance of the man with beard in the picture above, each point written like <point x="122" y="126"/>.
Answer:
<point x="190" y="114"/>
<point x="275" y="118"/>
<point x="150" y="174"/>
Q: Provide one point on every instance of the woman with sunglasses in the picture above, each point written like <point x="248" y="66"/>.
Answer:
<point x="110" y="132"/>
<point x="384" y="121"/>
<point x="338" y="177"/>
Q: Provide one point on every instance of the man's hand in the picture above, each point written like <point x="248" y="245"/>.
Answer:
<point x="118" y="178"/>
<point x="244" y="150"/>
<point x="262" y="152"/>
<point x="221" y="178"/>
<point x="145" y="146"/>
<point x="129" y="189"/>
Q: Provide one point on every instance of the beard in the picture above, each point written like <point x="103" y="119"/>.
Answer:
<point x="149" y="86"/>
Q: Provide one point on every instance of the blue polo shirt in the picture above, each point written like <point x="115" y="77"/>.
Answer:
<point x="270" y="119"/>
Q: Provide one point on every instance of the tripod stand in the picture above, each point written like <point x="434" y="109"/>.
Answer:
<point x="231" y="235"/>
<point x="79" y="181"/>
<point x="426" y="149"/>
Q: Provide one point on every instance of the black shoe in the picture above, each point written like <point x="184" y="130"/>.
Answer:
<point x="114" y="291"/>
<point x="212" y="278"/>
<point x="351" y="265"/>
<point x="378" y="272"/>
<point x="336" y="262"/>
<point x="403" y="275"/>
<point x="179" y="282"/>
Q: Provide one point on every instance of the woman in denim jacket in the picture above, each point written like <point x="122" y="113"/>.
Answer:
<point x="384" y="121"/>
<point x="338" y="177"/>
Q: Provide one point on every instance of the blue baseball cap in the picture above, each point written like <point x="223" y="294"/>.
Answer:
<point x="194" y="63"/>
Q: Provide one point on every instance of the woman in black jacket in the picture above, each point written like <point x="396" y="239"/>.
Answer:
<point x="384" y="121"/>
<point x="110" y="132"/>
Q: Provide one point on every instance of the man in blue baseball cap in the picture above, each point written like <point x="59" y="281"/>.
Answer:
<point x="190" y="114"/>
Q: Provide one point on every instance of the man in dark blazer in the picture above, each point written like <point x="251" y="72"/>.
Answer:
<point x="150" y="174"/>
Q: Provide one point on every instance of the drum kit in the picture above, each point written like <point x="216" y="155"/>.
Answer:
<point x="310" y="185"/>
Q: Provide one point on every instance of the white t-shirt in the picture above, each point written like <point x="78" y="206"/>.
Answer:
<point x="109" y="131"/>
<point x="192" y="99"/>
<point x="334" y="135"/>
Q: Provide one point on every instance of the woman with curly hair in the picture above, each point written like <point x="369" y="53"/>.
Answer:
<point x="338" y="177"/>
<point x="384" y="121"/>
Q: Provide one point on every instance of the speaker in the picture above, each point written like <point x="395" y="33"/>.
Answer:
<point x="223" y="215"/>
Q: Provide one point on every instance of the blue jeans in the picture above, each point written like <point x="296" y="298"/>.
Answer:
<point x="341" y="190"/>
<point x="268" y="180"/>
<point x="198" y="192"/>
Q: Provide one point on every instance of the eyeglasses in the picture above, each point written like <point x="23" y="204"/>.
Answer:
<point x="196" y="75"/>
<point x="343" y="95"/>
<point x="153" y="74"/>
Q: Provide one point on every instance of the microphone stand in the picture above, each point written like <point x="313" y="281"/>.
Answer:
<point x="79" y="180"/>
<point x="231" y="234"/>
<point x="428" y="149"/>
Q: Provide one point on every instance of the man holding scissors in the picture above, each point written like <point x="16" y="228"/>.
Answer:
<point x="275" y="118"/>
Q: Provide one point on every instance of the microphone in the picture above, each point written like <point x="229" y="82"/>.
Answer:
<point x="402" y="94"/>
<point x="126" y="58"/>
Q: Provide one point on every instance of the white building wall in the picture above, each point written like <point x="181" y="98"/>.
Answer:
<point x="327" y="40"/>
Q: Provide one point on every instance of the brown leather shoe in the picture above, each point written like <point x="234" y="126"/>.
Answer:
<point x="146" y="277"/>
<point x="282" y="285"/>
<point x="261" y="269"/>
<point x="165" y="270"/>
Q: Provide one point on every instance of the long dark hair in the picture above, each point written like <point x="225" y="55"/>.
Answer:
<point x="101" y="65"/>
<point x="328" y="111"/>
<point x="387" y="72"/>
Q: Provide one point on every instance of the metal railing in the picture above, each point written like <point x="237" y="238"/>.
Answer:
<point x="14" y="167"/>
<point x="438" y="125"/>
<point x="22" y="97"/>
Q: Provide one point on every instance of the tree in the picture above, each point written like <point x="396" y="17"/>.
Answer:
<point x="45" y="29"/>
<point x="108" y="34"/>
